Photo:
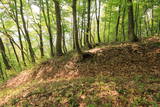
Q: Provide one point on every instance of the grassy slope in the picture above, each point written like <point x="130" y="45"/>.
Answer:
<point x="121" y="75"/>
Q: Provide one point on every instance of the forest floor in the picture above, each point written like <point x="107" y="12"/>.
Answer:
<point x="117" y="75"/>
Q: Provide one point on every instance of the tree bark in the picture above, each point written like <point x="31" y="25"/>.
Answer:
<point x="88" y="25"/>
<point x="131" y="33"/>
<point x="123" y="25"/>
<point x="98" y="13"/>
<point x="4" y="56"/>
<point x="19" y="32"/>
<point x="59" y="29"/>
<point x="117" y="25"/>
<point x="27" y="33"/>
<point x="75" y="28"/>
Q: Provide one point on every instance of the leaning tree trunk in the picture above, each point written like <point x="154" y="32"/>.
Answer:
<point x="4" y="56"/>
<point x="19" y="32"/>
<point x="1" y="72"/>
<point x="11" y="42"/>
<point x="27" y="33"/>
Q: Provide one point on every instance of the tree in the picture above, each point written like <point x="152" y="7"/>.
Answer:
<point x="19" y="32"/>
<point x="98" y="13"/>
<point x="131" y="26"/>
<point x="4" y="56"/>
<point x="48" y="24"/>
<point x="118" y="21"/>
<point x="88" y="25"/>
<point x="59" y="29"/>
<point x="75" y="29"/>
<point x="27" y="33"/>
<point x="38" y="23"/>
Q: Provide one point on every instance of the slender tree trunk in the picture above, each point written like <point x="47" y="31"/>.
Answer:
<point x="49" y="28"/>
<point x="159" y="27"/>
<point x="27" y="33"/>
<point x="40" y="31"/>
<point x="104" y="31"/>
<point x="41" y="41"/>
<point x="15" y="53"/>
<point x="1" y="71"/>
<point x="131" y="33"/>
<point x="146" y="27"/>
<point x="11" y="42"/>
<point x="75" y="28"/>
<point x="118" y="20"/>
<point x="88" y="25"/>
<point x="140" y="28"/>
<point x="59" y="29"/>
<point x="109" y="25"/>
<point x="19" y="32"/>
<point x="123" y="25"/>
<point x="98" y="13"/>
<point x="48" y="25"/>
<point x="4" y="56"/>
<point x="152" y="21"/>
<point x="64" y="41"/>
<point x="137" y="18"/>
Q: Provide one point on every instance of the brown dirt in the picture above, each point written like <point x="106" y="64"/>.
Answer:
<point x="122" y="59"/>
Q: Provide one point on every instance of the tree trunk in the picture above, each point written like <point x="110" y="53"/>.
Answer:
<point x="118" y="20"/>
<point x="98" y="13"/>
<point x="19" y="33"/>
<point x="15" y="53"/>
<point x="131" y="33"/>
<point x="64" y="41"/>
<point x="59" y="29"/>
<point x="88" y="25"/>
<point x="1" y="72"/>
<point x="27" y="33"/>
<point x="4" y="56"/>
<point x="49" y="29"/>
<point x="11" y="42"/>
<point x="40" y="31"/>
<point x="123" y="25"/>
<point x="75" y="28"/>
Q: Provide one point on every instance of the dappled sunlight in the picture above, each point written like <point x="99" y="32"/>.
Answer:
<point x="114" y="75"/>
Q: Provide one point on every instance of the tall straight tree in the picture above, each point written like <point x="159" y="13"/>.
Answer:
<point x="27" y="33"/>
<point x="98" y="13"/>
<point x="59" y="29"/>
<point x="75" y="28"/>
<point x="4" y="56"/>
<point x="48" y="24"/>
<point x="123" y="24"/>
<point x="88" y="25"/>
<point x="38" y="23"/>
<point x="118" y="21"/>
<point x="131" y="33"/>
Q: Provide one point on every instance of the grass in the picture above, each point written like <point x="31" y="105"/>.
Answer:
<point x="99" y="91"/>
<point x="117" y="76"/>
